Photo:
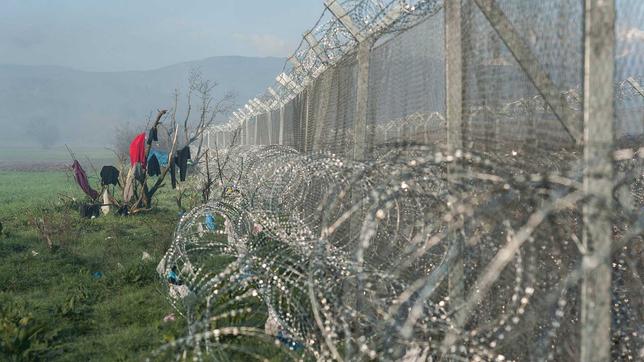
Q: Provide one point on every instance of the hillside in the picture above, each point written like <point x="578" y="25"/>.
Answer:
<point x="88" y="105"/>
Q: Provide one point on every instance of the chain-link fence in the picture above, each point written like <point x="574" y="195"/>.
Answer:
<point x="429" y="179"/>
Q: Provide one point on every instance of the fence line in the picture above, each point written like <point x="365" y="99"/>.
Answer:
<point x="528" y="86"/>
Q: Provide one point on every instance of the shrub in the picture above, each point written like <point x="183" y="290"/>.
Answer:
<point x="139" y="274"/>
<point x="22" y="337"/>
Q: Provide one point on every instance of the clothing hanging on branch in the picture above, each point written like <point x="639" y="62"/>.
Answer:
<point x="137" y="150"/>
<point x="154" y="169"/>
<point x="109" y="175"/>
<point x="182" y="162"/>
<point x="161" y="156"/>
<point x="128" y="190"/>
<point x="173" y="173"/>
<point x="139" y="173"/>
<point x="152" y="136"/>
<point x="81" y="179"/>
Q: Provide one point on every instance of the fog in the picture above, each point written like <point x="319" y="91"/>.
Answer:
<point x="48" y="106"/>
<point x="72" y="71"/>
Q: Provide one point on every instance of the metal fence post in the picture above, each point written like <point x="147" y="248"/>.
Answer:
<point x="599" y="134"/>
<point x="360" y="122"/>
<point x="269" y="126"/>
<point x="247" y="138"/>
<point x="454" y="104"/>
<point x="307" y="104"/>
<point x="281" y="132"/>
<point x="360" y="137"/>
<point x="255" y="140"/>
<point x="324" y="87"/>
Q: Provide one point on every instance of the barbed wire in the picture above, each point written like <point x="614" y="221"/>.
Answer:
<point x="332" y="41"/>
<point x="327" y="258"/>
<point x="418" y="249"/>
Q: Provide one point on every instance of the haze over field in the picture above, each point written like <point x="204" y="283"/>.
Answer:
<point x="83" y="108"/>
<point x="73" y="70"/>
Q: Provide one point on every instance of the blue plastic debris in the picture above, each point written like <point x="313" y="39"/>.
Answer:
<point x="245" y="273"/>
<point x="288" y="342"/>
<point x="210" y="222"/>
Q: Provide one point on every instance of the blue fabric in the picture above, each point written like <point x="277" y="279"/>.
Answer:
<point x="210" y="222"/>
<point x="162" y="157"/>
<point x="244" y="274"/>
<point x="293" y="345"/>
<point x="173" y="278"/>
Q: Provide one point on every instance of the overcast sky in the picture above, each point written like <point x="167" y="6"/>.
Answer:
<point x="116" y="35"/>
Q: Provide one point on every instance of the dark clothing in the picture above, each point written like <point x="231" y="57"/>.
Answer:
<point x="139" y="173"/>
<point x="82" y="181"/>
<point x="154" y="169"/>
<point x="109" y="175"/>
<point x="173" y="173"/>
<point x="152" y="136"/>
<point x="88" y="211"/>
<point x="123" y="211"/>
<point x="185" y="153"/>
<point x="182" y="162"/>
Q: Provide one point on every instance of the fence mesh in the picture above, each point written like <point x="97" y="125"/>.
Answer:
<point x="406" y="85"/>
<point x="439" y="207"/>
<point x="502" y="107"/>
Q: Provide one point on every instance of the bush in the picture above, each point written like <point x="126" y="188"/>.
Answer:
<point x="139" y="274"/>
<point x="21" y="336"/>
<point x="77" y="305"/>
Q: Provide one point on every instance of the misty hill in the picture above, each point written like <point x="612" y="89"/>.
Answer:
<point x="85" y="107"/>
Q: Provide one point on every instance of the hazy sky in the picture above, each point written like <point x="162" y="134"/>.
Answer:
<point x="115" y="35"/>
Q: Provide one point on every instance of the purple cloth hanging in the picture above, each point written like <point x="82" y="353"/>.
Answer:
<point x="81" y="180"/>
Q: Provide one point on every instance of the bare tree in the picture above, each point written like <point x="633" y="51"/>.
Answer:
<point x="123" y="134"/>
<point x="191" y="130"/>
<point x="209" y="109"/>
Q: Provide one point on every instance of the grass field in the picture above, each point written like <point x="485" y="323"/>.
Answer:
<point x="58" y="153"/>
<point x="55" y="158"/>
<point x="54" y="305"/>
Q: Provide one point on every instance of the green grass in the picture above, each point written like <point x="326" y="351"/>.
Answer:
<point x="20" y="191"/>
<point x="73" y="315"/>
<point x="53" y="307"/>
<point x="54" y="154"/>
